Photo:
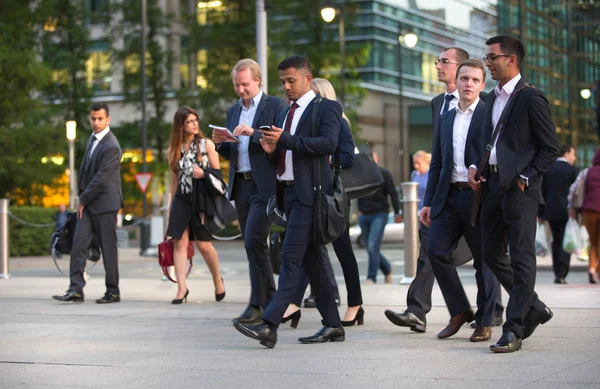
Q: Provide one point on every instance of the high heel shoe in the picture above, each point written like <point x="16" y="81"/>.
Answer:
<point x="294" y="317"/>
<point x="358" y="318"/>
<point x="592" y="278"/>
<point x="179" y="301"/>
<point x="221" y="296"/>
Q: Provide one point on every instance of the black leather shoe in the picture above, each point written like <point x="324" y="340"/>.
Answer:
<point x="259" y="331"/>
<point x="542" y="318"/>
<point x="497" y="322"/>
<point x="508" y="343"/>
<point x="109" y="297"/>
<point x="558" y="280"/>
<point x="252" y="314"/>
<point x="325" y="334"/>
<point x="70" y="296"/>
<point x="406" y="319"/>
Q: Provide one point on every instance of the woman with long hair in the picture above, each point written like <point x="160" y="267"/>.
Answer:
<point x="189" y="155"/>
<point x="342" y="245"/>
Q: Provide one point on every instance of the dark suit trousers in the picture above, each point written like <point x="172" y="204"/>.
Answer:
<point x="103" y="226"/>
<point x="298" y="255"/>
<point x="509" y="217"/>
<point x="444" y="233"/>
<point x="255" y="224"/>
<point x="345" y="254"/>
<point x="561" y="260"/>
<point x="418" y="299"/>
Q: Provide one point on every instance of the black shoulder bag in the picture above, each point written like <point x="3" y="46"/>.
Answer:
<point x="331" y="213"/>
<point x="364" y="177"/>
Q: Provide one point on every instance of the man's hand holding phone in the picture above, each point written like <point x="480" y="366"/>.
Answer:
<point x="269" y="138"/>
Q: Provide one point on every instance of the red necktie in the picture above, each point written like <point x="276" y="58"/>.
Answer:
<point x="286" y="128"/>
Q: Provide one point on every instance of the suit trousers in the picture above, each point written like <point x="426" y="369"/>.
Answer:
<point x="508" y="217"/>
<point x="298" y="255"/>
<point x="561" y="260"/>
<point x="102" y="226"/>
<point x="345" y="254"/>
<point x="251" y="207"/>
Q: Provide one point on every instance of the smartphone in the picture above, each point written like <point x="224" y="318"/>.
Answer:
<point x="266" y="128"/>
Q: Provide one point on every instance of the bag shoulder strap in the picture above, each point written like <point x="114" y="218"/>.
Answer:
<point x="315" y="133"/>
<point x="488" y="148"/>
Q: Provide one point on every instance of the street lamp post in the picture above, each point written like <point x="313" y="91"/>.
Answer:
<point x="410" y="40"/>
<point x="143" y="92"/>
<point x="328" y="14"/>
<point x="71" y="135"/>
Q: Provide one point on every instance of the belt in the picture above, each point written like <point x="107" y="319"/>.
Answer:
<point x="460" y="185"/>
<point x="245" y="175"/>
<point x="493" y="168"/>
<point x="287" y="183"/>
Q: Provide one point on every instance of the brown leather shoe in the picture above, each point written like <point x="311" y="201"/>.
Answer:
<point x="455" y="323"/>
<point x="481" y="334"/>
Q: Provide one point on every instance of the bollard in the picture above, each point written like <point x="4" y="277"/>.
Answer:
<point x="4" y="239"/>
<point x="411" y="230"/>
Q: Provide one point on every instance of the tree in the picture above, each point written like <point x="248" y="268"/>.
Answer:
<point x="26" y="132"/>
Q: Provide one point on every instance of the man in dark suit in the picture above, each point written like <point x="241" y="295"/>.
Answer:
<point x="292" y="149"/>
<point x="418" y="298"/>
<point x="99" y="202"/>
<point x="525" y="148"/>
<point x="555" y="189"/>
<point x="447" y="205"/>
<point x="251" y="178"/>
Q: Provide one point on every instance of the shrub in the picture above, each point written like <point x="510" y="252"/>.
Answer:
<point x="28" y="240"/>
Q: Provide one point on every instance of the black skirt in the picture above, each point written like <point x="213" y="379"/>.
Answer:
<point x="182" y="216"/>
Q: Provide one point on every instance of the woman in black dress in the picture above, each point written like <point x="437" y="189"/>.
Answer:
<point x="189" y="154"/>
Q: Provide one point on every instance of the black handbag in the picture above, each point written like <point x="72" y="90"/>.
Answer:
<point x="364" y="177"/>
<point x="331" y="213"/>
<point x="223" y="212"/>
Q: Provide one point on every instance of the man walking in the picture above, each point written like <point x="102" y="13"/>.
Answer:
<point x="100" y="200"/>
<point x="555" y="189"/>
<point x="251" y="178"/>
<point x="521" y="144"/>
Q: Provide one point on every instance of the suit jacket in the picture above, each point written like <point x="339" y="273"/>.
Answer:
<point x="527" y="144"/>
<point x="263" y="173"/>
<point x="305" y="147"/>
<point x="101" y="177"/>
<point x="442" y="156"/>
<point x="345" y="145"/>
<point x="555" y="189"/>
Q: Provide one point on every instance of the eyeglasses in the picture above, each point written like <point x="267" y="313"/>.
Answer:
<point x="191" y="121"/>
<point x="445" y="61"/>
<point x="492" y="57"/>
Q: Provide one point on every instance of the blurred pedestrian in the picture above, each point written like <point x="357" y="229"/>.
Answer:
<point x="61" y="216"/>
<point x="251" y="178"/>
<point x="524" y="147"/>
<point x="100" y="200"/>
<point x="555" y="189"/>
<point x="373" y="216"/>
<point x="190" y="155"/>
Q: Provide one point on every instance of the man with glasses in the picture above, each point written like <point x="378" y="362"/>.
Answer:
<point x="418" y="299"/>
<point x="521" y="144"/>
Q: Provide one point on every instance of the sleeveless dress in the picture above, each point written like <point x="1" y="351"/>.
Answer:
<point x="183" y="213"/>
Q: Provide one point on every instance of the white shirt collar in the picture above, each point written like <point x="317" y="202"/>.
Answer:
<point x="306" y="98"/>
<point x="455" y="94"/>
<point x="256" y="99"/>
<point x="562" y="159"/>
<point x="509" y="87"/>
<point x="469" y="108"/>
<point x="102" y="133"/>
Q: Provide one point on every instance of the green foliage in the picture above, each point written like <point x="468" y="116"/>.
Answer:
<point x="25" y="240"/>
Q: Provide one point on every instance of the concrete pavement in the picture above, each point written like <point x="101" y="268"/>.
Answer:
<point x="145" y="342"/>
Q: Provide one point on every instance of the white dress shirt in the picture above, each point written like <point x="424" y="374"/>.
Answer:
<point x="246" y="117"/>
<point x="302" y="102"/>
<point x="453" y="102"/>
<point x="99" y="137"/>
<point x="462" y="121"/>
<point x="502" y="96"/>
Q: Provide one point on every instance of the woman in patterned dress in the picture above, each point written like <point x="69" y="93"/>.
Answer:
<point x="188" y="155"/>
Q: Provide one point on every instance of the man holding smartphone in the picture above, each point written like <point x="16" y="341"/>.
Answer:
<point x="251" y="178"/>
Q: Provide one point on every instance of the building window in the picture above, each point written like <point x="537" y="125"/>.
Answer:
<point x="98" y="71"/>
<point x="202" y="61"/>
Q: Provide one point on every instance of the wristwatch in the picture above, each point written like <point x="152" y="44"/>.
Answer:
<point x="524" y="180"/>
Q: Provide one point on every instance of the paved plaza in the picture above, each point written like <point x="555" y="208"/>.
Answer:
<point x="145" y="342"/>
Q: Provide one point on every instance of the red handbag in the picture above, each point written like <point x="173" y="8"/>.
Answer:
<point x="165" y="256"/>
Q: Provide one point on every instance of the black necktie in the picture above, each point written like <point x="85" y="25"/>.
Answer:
<point x="288" y="126"/>
<point x="88" y="158"/>
<point x="447" y="100"/>
<point x="88" y="152"/>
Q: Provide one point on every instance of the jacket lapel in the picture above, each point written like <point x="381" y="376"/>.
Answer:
<point x="476" y="122"/>
<point x="260" y="109"/>
<point x="449" y="132"/>
<point x="305" y="114"/>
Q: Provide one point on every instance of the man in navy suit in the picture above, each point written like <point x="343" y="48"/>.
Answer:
<point x="251" y="178"/>
<point x="555" y="189"/>
<point x="290" y="147"/>
<point x="526" y="146"/>
<point x="447" y="204"/>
